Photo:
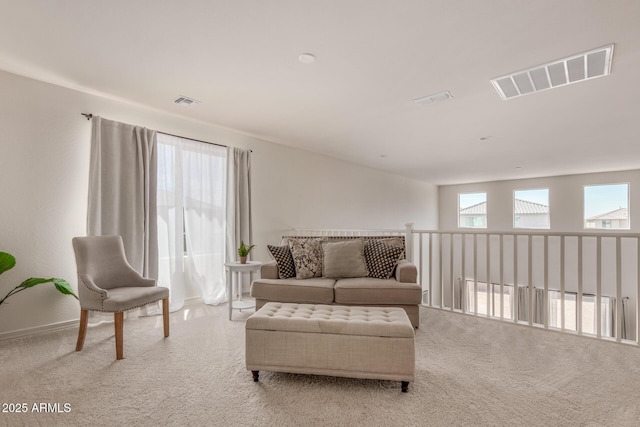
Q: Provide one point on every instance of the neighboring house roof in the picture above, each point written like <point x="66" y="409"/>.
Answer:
<point x="477" y="209"/>
<point x="522" y="207"/>
<point x="621" y="213"/>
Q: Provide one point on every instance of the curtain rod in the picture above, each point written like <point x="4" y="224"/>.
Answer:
<point x="89" y="116"/>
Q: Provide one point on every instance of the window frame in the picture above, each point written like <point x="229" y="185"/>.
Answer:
<point x="486" y="201"/>
<point x="513" y="199"/>
<point x="602" y="229"/>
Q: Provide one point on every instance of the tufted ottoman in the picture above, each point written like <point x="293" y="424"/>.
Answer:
<point x="355" y="342"/>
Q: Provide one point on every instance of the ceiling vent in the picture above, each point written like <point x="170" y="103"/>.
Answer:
<point x="584" y="66"/>
<point x="183" y="100"/>
<point x="442" y="96"/>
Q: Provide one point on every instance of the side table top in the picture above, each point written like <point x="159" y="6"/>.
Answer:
<point x="238" y="266"/>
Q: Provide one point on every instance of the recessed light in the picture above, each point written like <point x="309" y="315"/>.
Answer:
<point x="307" y="58"/>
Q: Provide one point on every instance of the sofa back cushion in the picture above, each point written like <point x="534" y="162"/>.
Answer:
<point x="343" y="259"/>
<point x="393" y="240"/>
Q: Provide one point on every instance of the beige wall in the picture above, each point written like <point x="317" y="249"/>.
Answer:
<point x="565" y="199"/>
<point x="44" y="143"/>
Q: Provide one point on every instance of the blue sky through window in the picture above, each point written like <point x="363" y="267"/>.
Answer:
<point x="600" y="199"/>
<point x="540" y="196"/>
<point x="470" y="199"/>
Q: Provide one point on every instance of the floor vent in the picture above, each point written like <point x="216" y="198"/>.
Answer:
<point x="573" y="69"/>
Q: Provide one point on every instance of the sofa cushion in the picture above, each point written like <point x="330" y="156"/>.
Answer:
<point x="343" y="259"/>
<point x="381" y="258"/>
<point x="284" y="260"/>
<point x="307" y="257"/>
<point x="369" y="290"/>
<point x="309" y="291"/>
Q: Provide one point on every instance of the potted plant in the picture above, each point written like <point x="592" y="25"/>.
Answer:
<point x="243" y="251"/>
<point x="8" y="261"/>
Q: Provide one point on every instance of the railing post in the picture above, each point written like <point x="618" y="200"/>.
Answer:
<point x="408" y="239"/>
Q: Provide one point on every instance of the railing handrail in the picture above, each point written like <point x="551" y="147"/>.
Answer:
<point x="348" y="230"/>
<point x="604" y="233"/>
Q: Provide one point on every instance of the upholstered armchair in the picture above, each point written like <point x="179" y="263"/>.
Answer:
<point x="108" y="283"/>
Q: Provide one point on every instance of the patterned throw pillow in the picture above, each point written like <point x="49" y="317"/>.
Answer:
<point x="284" y="260"/>
<point x="307" y="257"/>
<point x="381" y="258"/>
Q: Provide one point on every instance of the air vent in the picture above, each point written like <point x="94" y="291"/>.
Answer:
<point x="183" y="100"/>
<point x="573" y="69"/>
<point x="442" y="96"/>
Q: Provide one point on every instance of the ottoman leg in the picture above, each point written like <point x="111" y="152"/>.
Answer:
<point x="405" y="386"/>
<point x="255" y="376"/>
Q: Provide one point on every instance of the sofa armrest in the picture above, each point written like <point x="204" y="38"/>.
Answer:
<point x="406" y="272"/>
<point x="269" y="270"/>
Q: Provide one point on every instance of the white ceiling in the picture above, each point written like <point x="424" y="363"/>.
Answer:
<point x="240" y="59"/>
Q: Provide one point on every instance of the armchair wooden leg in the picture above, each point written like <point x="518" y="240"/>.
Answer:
<point x="82" y="330"/>
<point x="118" y="319"/>
<point x="165" y="316"/>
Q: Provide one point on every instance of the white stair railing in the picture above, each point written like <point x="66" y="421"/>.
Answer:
<point x="599" y="271"/>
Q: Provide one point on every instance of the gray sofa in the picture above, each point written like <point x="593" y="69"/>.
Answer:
<point x="400" y="290"/>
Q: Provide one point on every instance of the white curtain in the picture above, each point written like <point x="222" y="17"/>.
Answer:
<point x="191" y="218"/>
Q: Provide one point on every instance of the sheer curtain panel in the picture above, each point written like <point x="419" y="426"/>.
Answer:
<point x="191" y="218"/>
<point x="122" y="190"/>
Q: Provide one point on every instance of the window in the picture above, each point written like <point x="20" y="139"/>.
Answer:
<point x="472" y="210"/>
<point x="589" y="315"/>
<point x="191" y="201"/>
<point x="494" y="299"/>
<point x="531" y="208"/>
<point x="606" y="207"/>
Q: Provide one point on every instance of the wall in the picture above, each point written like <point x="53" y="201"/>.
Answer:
<point x="565" y="199"/>
<point x="44" y="165"/>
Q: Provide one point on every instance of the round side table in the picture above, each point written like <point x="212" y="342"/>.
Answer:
<point x="235" y="270"/>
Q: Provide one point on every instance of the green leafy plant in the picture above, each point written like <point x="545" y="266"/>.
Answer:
<point x="8" y="261"/>
<point x="244" y="250"/>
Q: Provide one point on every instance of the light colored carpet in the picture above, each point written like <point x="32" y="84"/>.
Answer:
<point x="469" y="372"/>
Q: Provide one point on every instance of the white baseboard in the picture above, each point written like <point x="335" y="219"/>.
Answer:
<point x="66" y="324"/>
<point x="39" y="329"/>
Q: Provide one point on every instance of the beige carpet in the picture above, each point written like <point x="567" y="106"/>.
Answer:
<point x="469" y="372"/>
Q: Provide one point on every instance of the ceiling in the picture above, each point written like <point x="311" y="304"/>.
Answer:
<point x="239" y="58"/>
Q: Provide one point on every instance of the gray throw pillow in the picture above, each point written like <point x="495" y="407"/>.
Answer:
<point x="343" y="259"/>
<point x="381" y="258"/>
<point x="307" y="257"/>
<point x="284" y="260"/>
